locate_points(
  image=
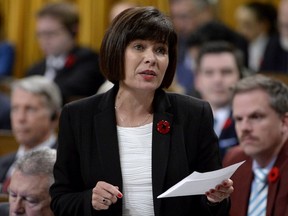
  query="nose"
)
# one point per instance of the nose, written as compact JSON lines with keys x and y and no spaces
{"x":218,"y":77}
{"x":19,"y":115}
{"x":18,"y":206}
{"x":150,"y":57}
{"x":244,"y":126}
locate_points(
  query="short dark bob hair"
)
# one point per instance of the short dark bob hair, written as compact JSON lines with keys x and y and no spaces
{"x":145,"y":23}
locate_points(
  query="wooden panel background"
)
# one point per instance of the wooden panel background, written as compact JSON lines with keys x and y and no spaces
{"x":19,"y":23}
{"x":226,"y":9}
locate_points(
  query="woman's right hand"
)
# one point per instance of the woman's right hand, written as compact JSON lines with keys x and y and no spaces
{"x":104,"y":195}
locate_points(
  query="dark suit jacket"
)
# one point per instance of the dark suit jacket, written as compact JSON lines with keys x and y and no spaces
{"x":228,"y":137}
{"x":88,"y":152}
{"x":6,"y":162}
{"x":80,"y":77}
{"x":275,"y":58}
{"x":277,"y":203}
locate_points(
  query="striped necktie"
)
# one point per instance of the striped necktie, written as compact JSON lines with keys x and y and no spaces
{"x":258,"y":196}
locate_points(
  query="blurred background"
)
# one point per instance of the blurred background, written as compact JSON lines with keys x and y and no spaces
{"x":18,"y":23}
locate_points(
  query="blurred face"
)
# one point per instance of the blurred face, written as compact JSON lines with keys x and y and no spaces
{"x":184,"y":16}
{"x":259,"y":128}
{"x":31,"y":122}
{"x":53,"y":38}
{"x":216,"y":74}
{"x":145,"y":64}
{"x":248,"y":25}
{"x":283,"y":23}
{"x":28,"y":195}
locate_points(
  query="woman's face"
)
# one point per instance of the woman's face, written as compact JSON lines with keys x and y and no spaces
{"x":145,"y":64}
{"x":248,"y":25}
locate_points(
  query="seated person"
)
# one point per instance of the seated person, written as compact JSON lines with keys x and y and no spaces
{"x":35,"y":108}
{"x":257,"y":22}
{"x":74,"y":69}
{"x":260,"y":110}
{"x":219,"y":67}
{"x":30,"y":183}
{"x":275,"y":58}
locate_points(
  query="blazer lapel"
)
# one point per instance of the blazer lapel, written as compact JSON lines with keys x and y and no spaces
{"x":160,"y":146}
{"x":246,"y":180}
{"x":160,"y":152}
{"x":280,"y":163}
{"x":107,"y":141}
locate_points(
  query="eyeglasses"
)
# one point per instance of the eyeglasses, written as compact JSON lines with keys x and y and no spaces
{"x":49,"y":33}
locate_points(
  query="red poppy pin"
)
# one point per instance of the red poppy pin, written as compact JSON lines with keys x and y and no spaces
{"x":228,"y":123}
{"x":70,"y":61}
{"x":273,"y":174}
{"x":163,"y":127}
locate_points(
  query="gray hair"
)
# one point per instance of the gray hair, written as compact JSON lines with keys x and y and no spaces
{"x":38,"y":162}
{"x":42,"y":86}
{"x":277,"y":90}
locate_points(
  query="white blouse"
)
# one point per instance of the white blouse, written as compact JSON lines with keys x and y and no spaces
{"x":135,"y":146}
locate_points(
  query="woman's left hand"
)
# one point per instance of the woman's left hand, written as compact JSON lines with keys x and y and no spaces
{"x":220,"y":192}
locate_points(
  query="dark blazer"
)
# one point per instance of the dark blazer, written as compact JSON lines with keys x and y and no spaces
{"x":4,"y":209}
{"x":275,"y":58}
{"x":277,"y":203}
{"x":88,"y":152}
{"x":228,"y":137}
{"x":6,"y":162}
{"x":80,"y":77}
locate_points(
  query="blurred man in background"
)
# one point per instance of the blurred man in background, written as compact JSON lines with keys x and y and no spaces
{"x":219,"y":67}
{"x":74,"y":69}
{"x":35,"y":109}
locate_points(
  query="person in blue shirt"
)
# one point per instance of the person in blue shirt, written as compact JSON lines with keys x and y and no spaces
{"x":7,"y":58}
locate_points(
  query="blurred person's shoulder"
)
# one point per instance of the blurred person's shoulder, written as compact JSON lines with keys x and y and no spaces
{"x":83,"y":52}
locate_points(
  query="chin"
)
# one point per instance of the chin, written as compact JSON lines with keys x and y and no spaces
{"x":250,"y":150}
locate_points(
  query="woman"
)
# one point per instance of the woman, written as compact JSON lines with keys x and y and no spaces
{"x":257,"y":22}
{"x":119,"y":150}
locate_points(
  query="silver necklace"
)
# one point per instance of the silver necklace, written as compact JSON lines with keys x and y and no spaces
{"x":129,"y":123}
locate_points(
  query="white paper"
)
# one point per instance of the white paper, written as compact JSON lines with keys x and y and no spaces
{"x":199,"y":183}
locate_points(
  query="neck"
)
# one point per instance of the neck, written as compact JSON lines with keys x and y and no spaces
{"x":265,"y":159}
{"x":131,"y":110}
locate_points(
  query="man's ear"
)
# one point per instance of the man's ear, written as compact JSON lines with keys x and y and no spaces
{"x":285,"y":122}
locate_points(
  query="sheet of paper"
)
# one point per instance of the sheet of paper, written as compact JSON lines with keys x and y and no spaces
{"x":198,"y":183}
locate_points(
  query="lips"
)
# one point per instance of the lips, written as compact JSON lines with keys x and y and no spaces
{"x":247,"y":139}
{"x":148,"y":72}
{"x":21,"y":131}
